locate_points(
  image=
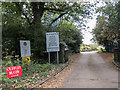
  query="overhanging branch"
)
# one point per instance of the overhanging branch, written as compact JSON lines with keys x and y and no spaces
{"x":28,"y":20}
{"x":58,"y":18}
{"x":51,"y":9}
{"x":20,"y":10}
{"x":60,"y":10}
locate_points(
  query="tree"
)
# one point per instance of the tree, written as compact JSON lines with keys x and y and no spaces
{"x":102,"y":33}
{"x":108,"y":30}
{"x":71,"y":35}
{"x":31,"y":20}
{"x":34,"y":12}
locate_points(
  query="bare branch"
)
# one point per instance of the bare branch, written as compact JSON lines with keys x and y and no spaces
{"x":58,"y":18}
{"x":23,"y":12}
{"x":61,"y":10}
{"x":28,"y":20}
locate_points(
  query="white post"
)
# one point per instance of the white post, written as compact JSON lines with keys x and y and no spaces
{"x":57,"y":58}
{"x":49,"y":57}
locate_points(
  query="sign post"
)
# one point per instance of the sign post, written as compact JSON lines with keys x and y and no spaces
{"x":49,"y":56}
{"x":57,"y":58}
{"x":52,"y":43}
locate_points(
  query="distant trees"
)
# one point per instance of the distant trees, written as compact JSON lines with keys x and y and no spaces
{"x":85,"y":47}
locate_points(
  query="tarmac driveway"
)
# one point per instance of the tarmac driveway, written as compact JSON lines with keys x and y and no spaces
{"x":91,"y":71}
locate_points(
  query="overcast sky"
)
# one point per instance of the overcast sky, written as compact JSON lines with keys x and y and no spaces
{"x":86,"y":34}
{"x":91,"y":23}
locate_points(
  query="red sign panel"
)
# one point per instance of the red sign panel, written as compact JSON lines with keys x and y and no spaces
{"x":14,"y":71}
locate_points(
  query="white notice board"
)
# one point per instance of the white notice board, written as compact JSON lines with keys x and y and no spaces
{"x":25,"y":48}
{"x":52,"y":41}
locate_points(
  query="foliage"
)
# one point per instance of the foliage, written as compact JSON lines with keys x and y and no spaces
{"x":31,"y":73}
{"x":108,"y":25}
{"x":70,"y":35}
{"x":101,"y":50}
{"x":31,"y":20}
{"x":91,"y":47}
{"x":34,"y":12}
{"x":107,"y":30}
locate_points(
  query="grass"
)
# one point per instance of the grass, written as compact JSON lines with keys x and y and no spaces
{"x":101,"y":50}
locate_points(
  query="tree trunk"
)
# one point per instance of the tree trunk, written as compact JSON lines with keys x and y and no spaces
{"x":38,"y":11}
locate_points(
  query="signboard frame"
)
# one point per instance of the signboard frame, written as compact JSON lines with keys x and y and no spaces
{"x":52,"y":41}
{"x":52,"y":44}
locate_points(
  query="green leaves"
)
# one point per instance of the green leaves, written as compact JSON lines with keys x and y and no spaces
{"x":23,"y":20}
{"x":69,"y":34}
{"x":107,"y":28}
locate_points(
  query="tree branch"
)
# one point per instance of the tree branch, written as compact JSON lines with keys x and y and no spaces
{"x":58,"y":18}
{"x":27,"y":18}
{"x":55,"y":9}
{"x":61,"y":10}
{"x":60,"y":14}
{"x":20,"y":10}
{"x":38,"y":11}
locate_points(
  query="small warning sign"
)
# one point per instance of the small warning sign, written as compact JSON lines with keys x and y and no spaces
{"x":14,"y":71}
{"x":26,"y":60}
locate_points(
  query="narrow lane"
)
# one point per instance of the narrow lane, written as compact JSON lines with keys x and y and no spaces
{"x":91,"y":71}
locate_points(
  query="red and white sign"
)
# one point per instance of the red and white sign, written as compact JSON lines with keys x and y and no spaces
{"x":14,"y":71}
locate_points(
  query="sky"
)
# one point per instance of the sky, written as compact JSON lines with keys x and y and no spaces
{"x":91,"y":23}
{"x":86,"y":34}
